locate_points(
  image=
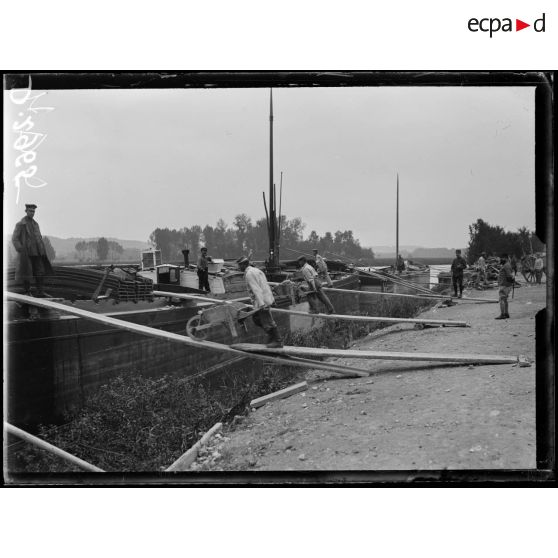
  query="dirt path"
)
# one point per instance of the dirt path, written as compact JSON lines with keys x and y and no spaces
{"x":406,"y":415}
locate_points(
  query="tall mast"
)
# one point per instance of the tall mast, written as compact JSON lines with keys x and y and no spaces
{"x":397,"y":224}
{"x":273,"y":252}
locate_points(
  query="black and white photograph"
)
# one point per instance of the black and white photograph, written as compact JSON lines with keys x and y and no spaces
{"x":270,"y":277}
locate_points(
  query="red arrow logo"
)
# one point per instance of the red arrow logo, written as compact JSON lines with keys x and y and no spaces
{"x":519,"y":25}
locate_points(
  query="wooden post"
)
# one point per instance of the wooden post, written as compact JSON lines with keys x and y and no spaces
{"x":281,"y":394}
{"x":51,"y":449}
{"x":186,"y":459}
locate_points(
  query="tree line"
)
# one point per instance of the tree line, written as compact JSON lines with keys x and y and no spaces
{"x":101,"y":250}
{"x":494,"y":241}
{"x":245,"y":236}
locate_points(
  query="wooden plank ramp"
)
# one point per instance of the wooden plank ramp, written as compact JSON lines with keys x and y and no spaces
{"x":309,"y":352}
{"x":349,"y":371}
{"x":353,"y":318}
{"x":200,"y":298}
{"x":450,"y":323}
{"x":434,"y":296}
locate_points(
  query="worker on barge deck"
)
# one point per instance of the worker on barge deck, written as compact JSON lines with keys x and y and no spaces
{"x":262,"y":300}
{"x":32,"y":256}
{"x":311,"y":277}
{"x":203,"y":270}
{"x":321,"y":265}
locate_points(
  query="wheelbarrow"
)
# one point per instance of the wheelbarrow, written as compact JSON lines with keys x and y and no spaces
{"x":229,"y":316}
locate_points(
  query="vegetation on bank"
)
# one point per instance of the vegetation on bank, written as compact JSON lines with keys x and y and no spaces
{"x":137,"y":423}
{"x":494,"y":241}
{"x":244,"y":236}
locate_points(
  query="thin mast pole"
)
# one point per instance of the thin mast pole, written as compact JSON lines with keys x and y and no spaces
{"x":272,"y":216}
{"x":397,"y":225}
{"x":280,"y":214}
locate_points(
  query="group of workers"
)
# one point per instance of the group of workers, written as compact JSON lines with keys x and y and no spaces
{"x":263,"y":299}
{"x":262,"y":295}
{"x":506,"y":277}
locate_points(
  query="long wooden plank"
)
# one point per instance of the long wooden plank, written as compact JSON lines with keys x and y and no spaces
{"x":186,"y":296}
{"x":184,"y":462}
{"x":281,"y":394}
{"x":346,"y":317}
{"x":84,"y":465}
{"x":435,"y":296}
{"x":332,"y":367}
{"x":151,"y":332}
{"x":382,"y":355}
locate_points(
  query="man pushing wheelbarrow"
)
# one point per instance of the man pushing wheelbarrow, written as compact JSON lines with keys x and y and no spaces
{"x":262,"y":300}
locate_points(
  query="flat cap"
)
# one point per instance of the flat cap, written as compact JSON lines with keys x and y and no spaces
{"x":30,"y":206}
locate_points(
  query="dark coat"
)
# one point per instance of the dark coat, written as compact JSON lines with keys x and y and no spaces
{"x":23,"y":241}
{"x":457,"y":266}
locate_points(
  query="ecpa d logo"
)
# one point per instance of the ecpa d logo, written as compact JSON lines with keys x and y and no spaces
{"x":492,"y":25}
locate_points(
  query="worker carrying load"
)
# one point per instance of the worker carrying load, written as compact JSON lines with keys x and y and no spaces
{"x":311,"y":277}
{"x":321,"y":266}
{"x":262,"y":300}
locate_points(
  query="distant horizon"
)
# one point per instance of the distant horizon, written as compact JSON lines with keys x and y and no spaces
{"x":135,"y":240}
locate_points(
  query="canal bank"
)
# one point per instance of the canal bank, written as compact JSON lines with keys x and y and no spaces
{"x":406,"y":415}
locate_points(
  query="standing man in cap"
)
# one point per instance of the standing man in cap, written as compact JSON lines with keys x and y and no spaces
{"x":262,"y":300}
{"x":32,"y":260}
{"x":457,"y":266}
{"x":322,"y":268}
{"x":311,"y":277}
{"x":505,"y":281}
{"x":203,"y":271}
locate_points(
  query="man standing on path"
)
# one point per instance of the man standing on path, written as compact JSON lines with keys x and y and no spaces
{"x":262,"y":300}
{"x":505,"y":281}
{"x":322,"y":268}
{"x":481,"y":271}
{"x":203,"y":271}
{"x":539,"y":265}
{"x":311,"y":277}
{"x":32,"y":257}
{"x":457,"y":267}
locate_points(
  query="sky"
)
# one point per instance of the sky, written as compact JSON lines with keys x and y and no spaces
{"x":120,"y":163}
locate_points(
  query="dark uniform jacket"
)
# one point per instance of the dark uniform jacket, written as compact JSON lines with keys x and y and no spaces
{"x":457,"y":266}
{"x":505,"y":277}
{"x":28,"y":242}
